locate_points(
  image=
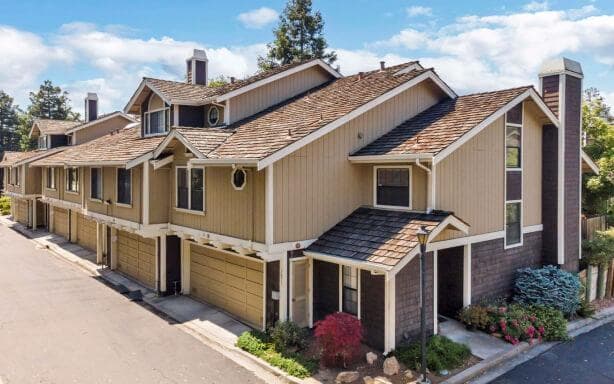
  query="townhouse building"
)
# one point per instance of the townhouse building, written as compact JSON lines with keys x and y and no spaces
{"x":298,"y":192}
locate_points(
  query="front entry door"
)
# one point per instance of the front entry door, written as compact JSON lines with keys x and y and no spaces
{"x":299,"y":292}
{"x":173,"y":265}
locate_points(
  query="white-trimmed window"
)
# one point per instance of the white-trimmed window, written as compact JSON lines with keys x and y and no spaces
{"x":50,"y":178}
{"x":213,"y":116}
{"x":190,"y":184}
{"x":513,"y":146}
{"x":72,"y":179}
{"x":124,"y":186}
{"x":15,"y":175}
{"x":513,"y":223}
{"x":349,"y":294}
{"x":43,"y":141}
{"x":96,"y":184}
{"x":238,"y":178}
{"x":392,"y":187}
{"x":156,"y":121}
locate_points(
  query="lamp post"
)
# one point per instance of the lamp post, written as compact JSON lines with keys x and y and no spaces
{"x":423,"y":236}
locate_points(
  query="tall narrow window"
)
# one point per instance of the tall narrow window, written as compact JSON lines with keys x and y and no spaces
{"x":392,"y":187}
{"x":183,"y":188}
{"x":51,"y":178}
{"x":157,"y":122}
{"x":512,"y":223}
{"x":350,"y":290}
{"x":96,"y":183}
{"x":196,"y":189}
{"x":72,"y":179}
{"x":512,"y":146}
{"x":124,"y":186}
{"x":190,"y":188}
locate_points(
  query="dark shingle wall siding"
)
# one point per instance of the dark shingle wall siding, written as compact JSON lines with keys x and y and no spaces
{"x":372,"y":307}
{"x":325,"y":289}
{"x":549,"y":193}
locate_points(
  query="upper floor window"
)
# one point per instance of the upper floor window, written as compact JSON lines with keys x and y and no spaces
{"x":213,"y":117}
{"x":96,"y":183}
{"x":513,"y":225}
{"x":190,"y":188}
{"x":14,"y":176}
{"x":392,"y":186}
{"x":50,"y":178}
{"x":124,"y":186}
{"x":157,"y":121}
{"x":72,"y":179}
{"x":513,"y":142}
{"x":43,"y":142}
{"x":350,"y":290}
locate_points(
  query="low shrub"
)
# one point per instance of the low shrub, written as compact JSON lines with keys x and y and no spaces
{"x":586,"y":309}
{"x":442,"y":353}
{"x":600,"y":250}
{"x":549,"y":287}
{"x":339,"y":336}
{"x":287,"y":334}
{"x":475,"y":316}
{"x":5,"y":205}
{"x":552,"y":321}
{"x":258,"y":344}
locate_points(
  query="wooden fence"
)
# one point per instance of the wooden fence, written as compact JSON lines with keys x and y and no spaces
{"x":590,"y":226}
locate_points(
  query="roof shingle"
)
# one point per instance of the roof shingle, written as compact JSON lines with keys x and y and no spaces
{"x":55,"y":127}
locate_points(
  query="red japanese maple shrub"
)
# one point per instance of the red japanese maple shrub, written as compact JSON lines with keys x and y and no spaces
{"x":339,"y":336}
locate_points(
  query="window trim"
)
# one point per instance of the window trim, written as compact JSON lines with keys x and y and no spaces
{"x":397,"y":207}
{"x":209,"y":115}
{"x":50,"y":171}
{"x":506,"y":170}
{"x":175,"y":185}
{"x":66,"y":189}
{"x":358,"y":290}
{"x":519,"y":243}
{"x":147,"y":118}
{"x":521,"y":144}
{"x":232,"y":178}
{"x":117,"y":188}
{"x":101,"y":186}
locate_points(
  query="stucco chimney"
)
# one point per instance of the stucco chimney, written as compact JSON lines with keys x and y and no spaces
{"x":382,"y":65}
{"x":196,"y":67}
{"x":560,"y":82}
{"x":91,"y":107}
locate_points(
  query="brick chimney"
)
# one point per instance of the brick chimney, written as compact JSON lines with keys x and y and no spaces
{"x":91,"y":107}
{"x":561,"y":87}
{"x":196,"y":67}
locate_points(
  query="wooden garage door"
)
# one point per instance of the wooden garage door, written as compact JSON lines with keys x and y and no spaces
{"x":22,"y":211}
{"x":230,"y":282}
{"x":60,"y":221}
{"x":86,"y":232}
{"x":136,"y":257}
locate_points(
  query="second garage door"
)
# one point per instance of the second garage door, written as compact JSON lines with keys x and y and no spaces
{"x":230,"y":282}
{"x":60,"y":221}
{"x":136,"y":257}
{"x":86,"y":232}
{"x":21,"y":211}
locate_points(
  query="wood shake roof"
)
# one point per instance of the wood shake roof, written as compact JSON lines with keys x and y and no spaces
{"x":376,"y":235}
{"x":439,"y":126}
{"x":205,"y":140}
{"x":55,"y":127}
{"x":118,"y":147}
{"x":263,"y":134}
{"x":11,"y":159}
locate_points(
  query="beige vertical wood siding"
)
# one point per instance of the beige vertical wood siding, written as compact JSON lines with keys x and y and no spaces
{"x":316,"y":186}
{"x":60,"y":221}
{"x":159,"y":195}
{"x":227,"y":211}
{"x":273,"y":93}
{"x":532,"y":165}
{"x":99,"y":129}
{"x":21,"y":211}
{"x":470,"y":181}
{"x":137,"y":257}
{"x":155,"y":102}
{"x":109,"y":185}
{"x":33,"y":181}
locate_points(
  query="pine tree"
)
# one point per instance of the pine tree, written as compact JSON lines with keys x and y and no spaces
{"x":50,"y":102}
{"x":9,"y":121}
{"x":298,"y":37}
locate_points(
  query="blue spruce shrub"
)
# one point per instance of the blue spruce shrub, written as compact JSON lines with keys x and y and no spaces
{"x":548,"y":286}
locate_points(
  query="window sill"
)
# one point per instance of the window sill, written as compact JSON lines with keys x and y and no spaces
{"x":184,"y":210}
{"x":516,"y":245}
{"x":123,"y":205}
{"x":95,"y":200}
{"x":51,"y":189}
{"x":72,"y":193}
{"x":392,"y":207}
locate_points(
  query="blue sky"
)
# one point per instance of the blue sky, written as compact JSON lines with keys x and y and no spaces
{"x":106,"y":47}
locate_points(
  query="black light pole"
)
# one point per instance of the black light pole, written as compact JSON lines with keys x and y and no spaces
{"x":423,"y":236}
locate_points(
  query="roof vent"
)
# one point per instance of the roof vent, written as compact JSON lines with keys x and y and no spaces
{"x":382,"y":65}
{"x":361,"y":75}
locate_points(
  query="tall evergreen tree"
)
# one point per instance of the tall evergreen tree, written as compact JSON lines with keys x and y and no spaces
{"x":49,"y":102}
{"x":297,"y":37}
{"x":9,"y":121}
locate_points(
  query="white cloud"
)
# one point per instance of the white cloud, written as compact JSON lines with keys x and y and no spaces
{"x":535,"y":6}
{"x":407,"y":38}
{"x":258,"y":18}
{"x":418,"y":10}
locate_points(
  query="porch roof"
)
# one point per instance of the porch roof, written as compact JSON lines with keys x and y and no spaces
{"x":380,"y":237}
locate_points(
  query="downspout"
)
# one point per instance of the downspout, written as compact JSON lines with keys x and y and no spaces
{"x":429,"y":189}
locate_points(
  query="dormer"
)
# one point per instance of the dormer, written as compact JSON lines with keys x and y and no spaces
{"x":51,"y":133}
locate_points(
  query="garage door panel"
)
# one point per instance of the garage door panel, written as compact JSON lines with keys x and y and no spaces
{"x":60,"y":221}
{"x":230,"y":282}
{"x":137,"y":257}
{"x":86,"y":232}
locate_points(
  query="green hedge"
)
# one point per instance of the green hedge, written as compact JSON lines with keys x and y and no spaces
{"x":5,"y":205}
{"x":258,"y":344}
{"x":442,"y":354}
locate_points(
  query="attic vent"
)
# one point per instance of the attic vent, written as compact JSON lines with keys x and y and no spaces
{"x":238,"y":178}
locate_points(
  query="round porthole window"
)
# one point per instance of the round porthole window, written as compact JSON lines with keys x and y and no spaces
{"x":214,"y":115}
{"x":239,"y":178}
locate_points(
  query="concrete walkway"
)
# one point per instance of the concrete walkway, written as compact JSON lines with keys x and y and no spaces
{"x":481,"y":344}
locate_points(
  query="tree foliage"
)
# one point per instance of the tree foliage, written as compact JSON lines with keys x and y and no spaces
{"x":219,"y":81}
{"x":9,"y":121}
{"x":49,"y":102}
{"x":298,"y":37}
{"x":598,"y":128}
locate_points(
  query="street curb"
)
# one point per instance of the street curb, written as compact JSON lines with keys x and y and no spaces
{"x":221,"y":347}
{"x":489,"y":365}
